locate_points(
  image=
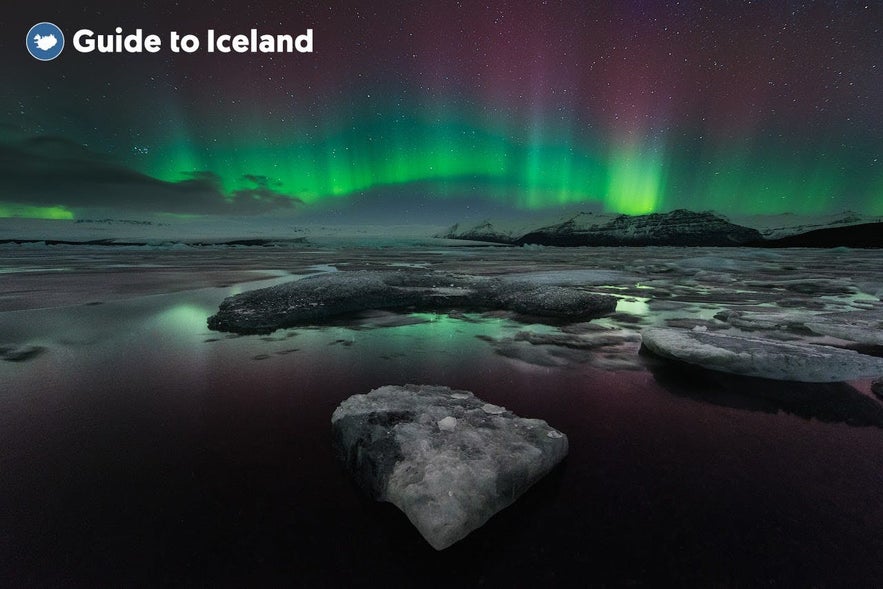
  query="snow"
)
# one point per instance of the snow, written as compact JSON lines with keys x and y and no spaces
{"x":786,"y":224}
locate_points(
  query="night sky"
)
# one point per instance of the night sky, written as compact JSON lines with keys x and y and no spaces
{"x":423,"y":110}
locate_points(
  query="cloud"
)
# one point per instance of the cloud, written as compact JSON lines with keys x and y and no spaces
{"x":263,"y":181}
{"x":53,"y":171}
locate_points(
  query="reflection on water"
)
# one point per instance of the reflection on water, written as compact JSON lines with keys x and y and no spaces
{"x":141,"y":447}
{"x":828,"y":402}
{"x":633,"y":306}
{"x":183,"y":324}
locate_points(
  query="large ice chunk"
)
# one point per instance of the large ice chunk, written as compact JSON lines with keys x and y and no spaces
{"x":755,"y":356}
{"x":447,"y":459}
{"x":325,"y":296}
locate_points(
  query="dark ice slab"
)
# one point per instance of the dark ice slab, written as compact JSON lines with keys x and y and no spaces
{"x":444,"y":457}
{"x":322,"y":297}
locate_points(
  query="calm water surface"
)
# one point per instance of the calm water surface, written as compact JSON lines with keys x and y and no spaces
{"x":140,"y":448}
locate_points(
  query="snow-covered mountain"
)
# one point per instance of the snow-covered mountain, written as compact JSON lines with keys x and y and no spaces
{"x":680,"y":227}
{"x":488,"y":231}
{"x":863,"y":235}
{"x":788,"y":224}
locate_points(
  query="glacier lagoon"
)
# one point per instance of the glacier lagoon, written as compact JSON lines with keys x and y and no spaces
{"x":139,"y":445}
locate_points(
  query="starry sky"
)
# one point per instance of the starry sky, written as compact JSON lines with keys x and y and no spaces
{"x":429,"y":111}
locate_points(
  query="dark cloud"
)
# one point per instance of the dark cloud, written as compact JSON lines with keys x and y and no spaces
{"x":53,"y":171}
{"x":261,"y":181}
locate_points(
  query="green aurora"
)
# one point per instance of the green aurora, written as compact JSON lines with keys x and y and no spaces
{"x":632,"y":173}
{"x":743,"y":108}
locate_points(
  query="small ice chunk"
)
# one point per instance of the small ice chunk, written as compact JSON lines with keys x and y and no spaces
{"x":460,"y":395}
{"x":492,"y":409}
{"x":555,"y":434}
{"x":447,"y":424}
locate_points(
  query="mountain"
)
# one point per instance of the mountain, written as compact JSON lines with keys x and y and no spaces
{"x":677,"y":228}
{"x":864,"y":235}
{"x":774,"y":227}
{"x":484,"y":231}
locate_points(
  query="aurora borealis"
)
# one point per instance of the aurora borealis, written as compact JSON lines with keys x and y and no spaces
{"x":633,"y":107}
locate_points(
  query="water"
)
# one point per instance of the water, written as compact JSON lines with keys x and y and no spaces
{"x":141,"y":448}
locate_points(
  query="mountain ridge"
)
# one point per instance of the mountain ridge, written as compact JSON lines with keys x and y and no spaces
{"x":680,"y":227}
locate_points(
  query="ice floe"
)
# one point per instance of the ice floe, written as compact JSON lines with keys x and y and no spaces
{"x":447,"y":459}
{"x":761,"y":357}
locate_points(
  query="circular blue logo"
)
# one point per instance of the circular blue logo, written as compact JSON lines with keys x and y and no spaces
{"x":45,"y":41}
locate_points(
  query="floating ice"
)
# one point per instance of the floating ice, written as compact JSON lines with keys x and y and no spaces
{"x":862,"y":327}
{"x":755,"y":356}
{"x":321,"y":297}
{"x":861,"y":333}
{"x":447,"y":481}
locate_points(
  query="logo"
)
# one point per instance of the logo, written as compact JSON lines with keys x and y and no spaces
{"x":45,"y":41}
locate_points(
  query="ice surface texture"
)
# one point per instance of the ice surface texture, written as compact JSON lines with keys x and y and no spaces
{"x":322,"y":297}
{"x":447,"y":459}
{"x":755,"y":356}
{"x":864,"y":327}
